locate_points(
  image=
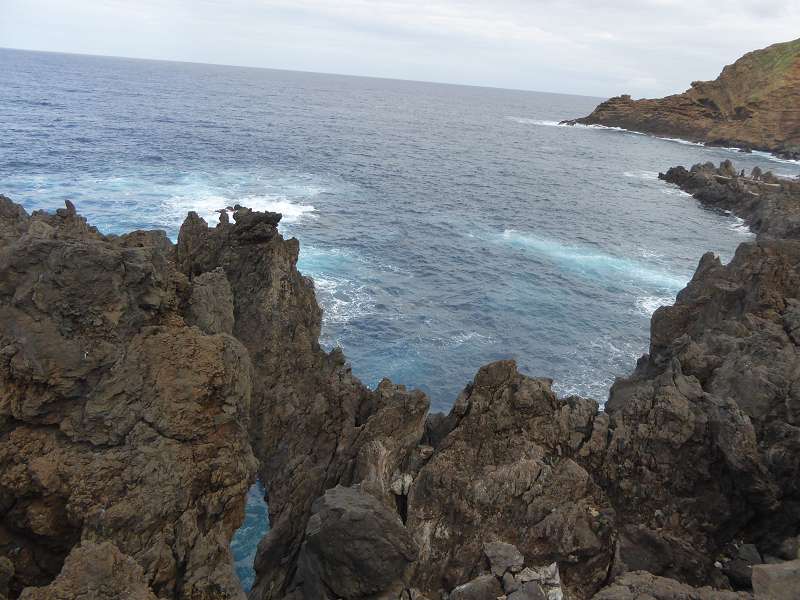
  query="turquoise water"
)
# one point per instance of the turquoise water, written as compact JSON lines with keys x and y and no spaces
{"x":445,"y":226}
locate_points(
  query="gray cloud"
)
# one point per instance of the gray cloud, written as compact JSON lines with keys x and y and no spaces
{"x":644,"y":47}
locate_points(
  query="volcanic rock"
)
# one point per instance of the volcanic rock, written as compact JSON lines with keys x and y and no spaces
{"x":118,"y":422}
{"x":96,"y":572}
{"x":484,"y":587}
{"x":769,"y":205}
{"x":501,"y":474}
{"x":354,"y":547}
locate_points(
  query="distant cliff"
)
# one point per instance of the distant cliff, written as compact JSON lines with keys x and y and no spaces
{"x":753,"y":104}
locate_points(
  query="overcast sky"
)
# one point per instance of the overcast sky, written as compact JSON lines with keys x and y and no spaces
{"x":601,"y":48}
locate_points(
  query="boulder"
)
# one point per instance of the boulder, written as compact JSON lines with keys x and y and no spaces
{"x":777,"y":582}
{"x":503,"y":557}
{"x":640,"y":585}
{"x":354,"y":547}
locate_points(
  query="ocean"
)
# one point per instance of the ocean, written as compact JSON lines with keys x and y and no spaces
{"x":444,"y":226}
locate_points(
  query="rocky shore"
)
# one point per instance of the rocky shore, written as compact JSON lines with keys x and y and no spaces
{"x":754,"y":104}
{"x":145,"y":385}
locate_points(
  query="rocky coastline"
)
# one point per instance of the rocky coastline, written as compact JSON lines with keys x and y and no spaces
{"x":753,"y":105}
{"x":144,"y":386}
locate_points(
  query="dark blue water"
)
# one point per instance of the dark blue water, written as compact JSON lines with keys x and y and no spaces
{"x":445,"y":226}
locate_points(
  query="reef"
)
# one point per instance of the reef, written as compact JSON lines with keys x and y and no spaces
{"x":754,"y":104}
{"x":144,"y":386}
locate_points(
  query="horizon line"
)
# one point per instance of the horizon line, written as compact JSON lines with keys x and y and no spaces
{"x":285,"y":70}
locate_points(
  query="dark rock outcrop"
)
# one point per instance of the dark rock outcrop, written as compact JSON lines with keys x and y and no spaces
{"x":500,"y":477}
{"x":705,"y":439}
{"x":354,"y":547}
{"x":314,"y":425}
{"x":753,"y":104}
{"x":768,"y":204}
{"x":119,"y":423}
{"x":142,"y":384}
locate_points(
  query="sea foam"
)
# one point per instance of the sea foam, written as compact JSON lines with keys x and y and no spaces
{"x":591,"y":261}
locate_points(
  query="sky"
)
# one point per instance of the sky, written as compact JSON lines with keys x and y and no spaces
{"x":647,"y":48}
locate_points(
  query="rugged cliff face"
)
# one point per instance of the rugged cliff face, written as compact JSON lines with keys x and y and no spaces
{"x":143,"y":385}
{"x":121,"y":423}
{"x":754,"y":103}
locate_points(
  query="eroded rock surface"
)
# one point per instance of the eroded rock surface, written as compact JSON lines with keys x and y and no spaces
{"x":139,"y":382}
{"x":96,"y":572}
{"x":500,"y":477}
{"x":118,"y":422}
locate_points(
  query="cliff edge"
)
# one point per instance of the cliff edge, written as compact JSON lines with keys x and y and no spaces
{"x":753,"y":104}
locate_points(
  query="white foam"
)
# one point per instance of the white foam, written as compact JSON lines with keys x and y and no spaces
{"x":207,"y":205}
{"x":739,"y":226}
{"x":647,"y":305}
{"x":680,"y":141}
{"x":647,"y":175}
{"x":590,"y":260}
{"x":773,"y":158}
{"x":341,"y":299}
{"x":524,"y":121}
{"x":674,"y":191}
{"x":547,"y":123}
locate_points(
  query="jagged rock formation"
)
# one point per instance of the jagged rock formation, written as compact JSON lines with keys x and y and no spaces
{"x":753,"y":104}
{"x":140,"y":381}
{"x":500,"y":474}
{"x":119,"y":422}
{"x":314,"y":425}
{"x":705,"y":445}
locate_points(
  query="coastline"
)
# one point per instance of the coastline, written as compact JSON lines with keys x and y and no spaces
{"x":685,"y":480}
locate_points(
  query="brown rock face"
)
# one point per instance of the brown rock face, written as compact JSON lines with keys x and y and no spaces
{"x":705,"y":438}
{"x":754,"y":103}
{"x":138,"y":380}
{"x":501,"y":474}
{"x":96,"y":571}
{"x":639,"y":585}
{"x":118,"y":422}
{"x":314,"y":425}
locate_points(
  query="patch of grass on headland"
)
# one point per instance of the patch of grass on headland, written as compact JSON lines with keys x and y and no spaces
{"x":778,"y":57}
{"x":770,"y":65}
